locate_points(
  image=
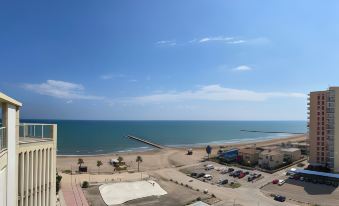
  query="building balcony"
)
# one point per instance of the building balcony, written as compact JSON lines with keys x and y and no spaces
{"x":330,"y":110}
{"x":35,"y":133}
{"x":3,"y":139}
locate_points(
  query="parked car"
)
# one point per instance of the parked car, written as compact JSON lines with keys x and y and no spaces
{"x":224,"y":171}
{"x":279,"y":198}
{"x":230,"y":169}
{"x":231,"y":174}
{"x":209,"y":167}
{"x":275,"y":181}
{"x":200,"y":175}
{"x":223,"y":182}
{"x":250,"y":178}
{"x":247,"y":173}
{"x":281,"y":182}
{"x":208,"y":177}
{"x":257,"y":175}
{"x":194,"y":174}
{"x":241,"y":175}
{"x":302,"y":178}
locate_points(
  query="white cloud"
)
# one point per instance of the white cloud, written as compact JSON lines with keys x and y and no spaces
{"x":242,"y":68}
{"x":214,"y":93}
{"x":166,"y":43}
{"x":60,"y":89}
{"x":224,"y":39}
{"x":69,"y":101}
{"x":111,"y":76}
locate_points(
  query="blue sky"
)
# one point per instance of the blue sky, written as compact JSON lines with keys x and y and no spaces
{"x":214,"y":60}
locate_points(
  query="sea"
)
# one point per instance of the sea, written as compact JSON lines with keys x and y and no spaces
{"x":91,"y":137}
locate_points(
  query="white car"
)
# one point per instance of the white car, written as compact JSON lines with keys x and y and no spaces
{"x":209,"y":167}
{"x":208,"y":177}
{"x":281,"y":182}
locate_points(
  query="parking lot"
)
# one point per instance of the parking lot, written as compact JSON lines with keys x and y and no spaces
{"x":225,"y":176}
{"x":305,"y":192}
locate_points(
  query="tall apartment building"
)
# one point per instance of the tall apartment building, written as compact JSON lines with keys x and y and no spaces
{"x":324,"y":128}
{"x":27,"y":159}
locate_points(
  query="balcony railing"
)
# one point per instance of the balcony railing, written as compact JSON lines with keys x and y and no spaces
{"x":3,"y":139}
{"x":33,"y":130}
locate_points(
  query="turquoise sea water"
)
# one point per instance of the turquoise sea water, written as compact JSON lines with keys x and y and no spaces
{"x":84,"y":137}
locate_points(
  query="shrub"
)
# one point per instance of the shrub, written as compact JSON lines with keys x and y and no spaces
{"x":198,"y":198}
{"x":67,"y":171}
{"x":171,"y":180}
{"x":85,"y":184}
{"x":58,"y":181}
{"x":213,"y":195}
{"x":182,"y":184}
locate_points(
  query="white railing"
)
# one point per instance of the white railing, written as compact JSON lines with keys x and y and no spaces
{"x":35,"y":130}
{"x":3,"y":139}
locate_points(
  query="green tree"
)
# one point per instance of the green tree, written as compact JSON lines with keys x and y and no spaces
{"x":99,"y":163}
{"x":80,"y":162}
{"x":139,"y":160}
{"x":120,"y":159}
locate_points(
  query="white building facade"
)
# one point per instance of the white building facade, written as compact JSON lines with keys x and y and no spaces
{"x":27,"y":159}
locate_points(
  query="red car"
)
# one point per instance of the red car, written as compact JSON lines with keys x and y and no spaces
{"x":275,"y":181}
{"x":241,"y":175}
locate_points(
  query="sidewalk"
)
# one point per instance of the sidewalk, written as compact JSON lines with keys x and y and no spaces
{"x":72,"y":193}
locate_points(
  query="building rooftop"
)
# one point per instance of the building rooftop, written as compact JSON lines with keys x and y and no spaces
{"x":310,"y":172}
{"x":270,"y":152}
{"x":300,"y":144}
{"x":7,"y":99}
{"x":249,"y":150}
{"x":290,"y":149}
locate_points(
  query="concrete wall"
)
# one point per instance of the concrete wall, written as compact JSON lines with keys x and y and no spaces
{"x":36,"y":174}
{"x":11,"y":128}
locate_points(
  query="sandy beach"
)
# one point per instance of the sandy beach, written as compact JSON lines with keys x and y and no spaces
{"x":158,"y":158}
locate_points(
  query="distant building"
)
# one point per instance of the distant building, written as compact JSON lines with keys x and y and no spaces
{"x":228,"y":155}
{"x":324,"y":129}
{"x":27,"y":159}
{"x":303,"y":146}
{"x":270,"y":159}
{"x":291,"y":154}
{"x":249,"y":156}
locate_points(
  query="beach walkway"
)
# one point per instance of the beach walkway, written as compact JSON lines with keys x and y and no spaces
{"x":72,"y":192}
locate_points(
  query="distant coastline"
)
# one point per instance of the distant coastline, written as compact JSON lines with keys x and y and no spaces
{"x":195,"y":146}
{"x":104,"y":137}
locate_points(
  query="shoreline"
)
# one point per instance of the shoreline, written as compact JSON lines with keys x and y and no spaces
{"x":239,"y":143}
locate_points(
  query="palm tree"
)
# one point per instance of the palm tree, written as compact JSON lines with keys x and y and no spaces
{"x":99,"y":163}
{"x":80,"y":162}
{"x":138,"y":160}
{"x":120,"y":159}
